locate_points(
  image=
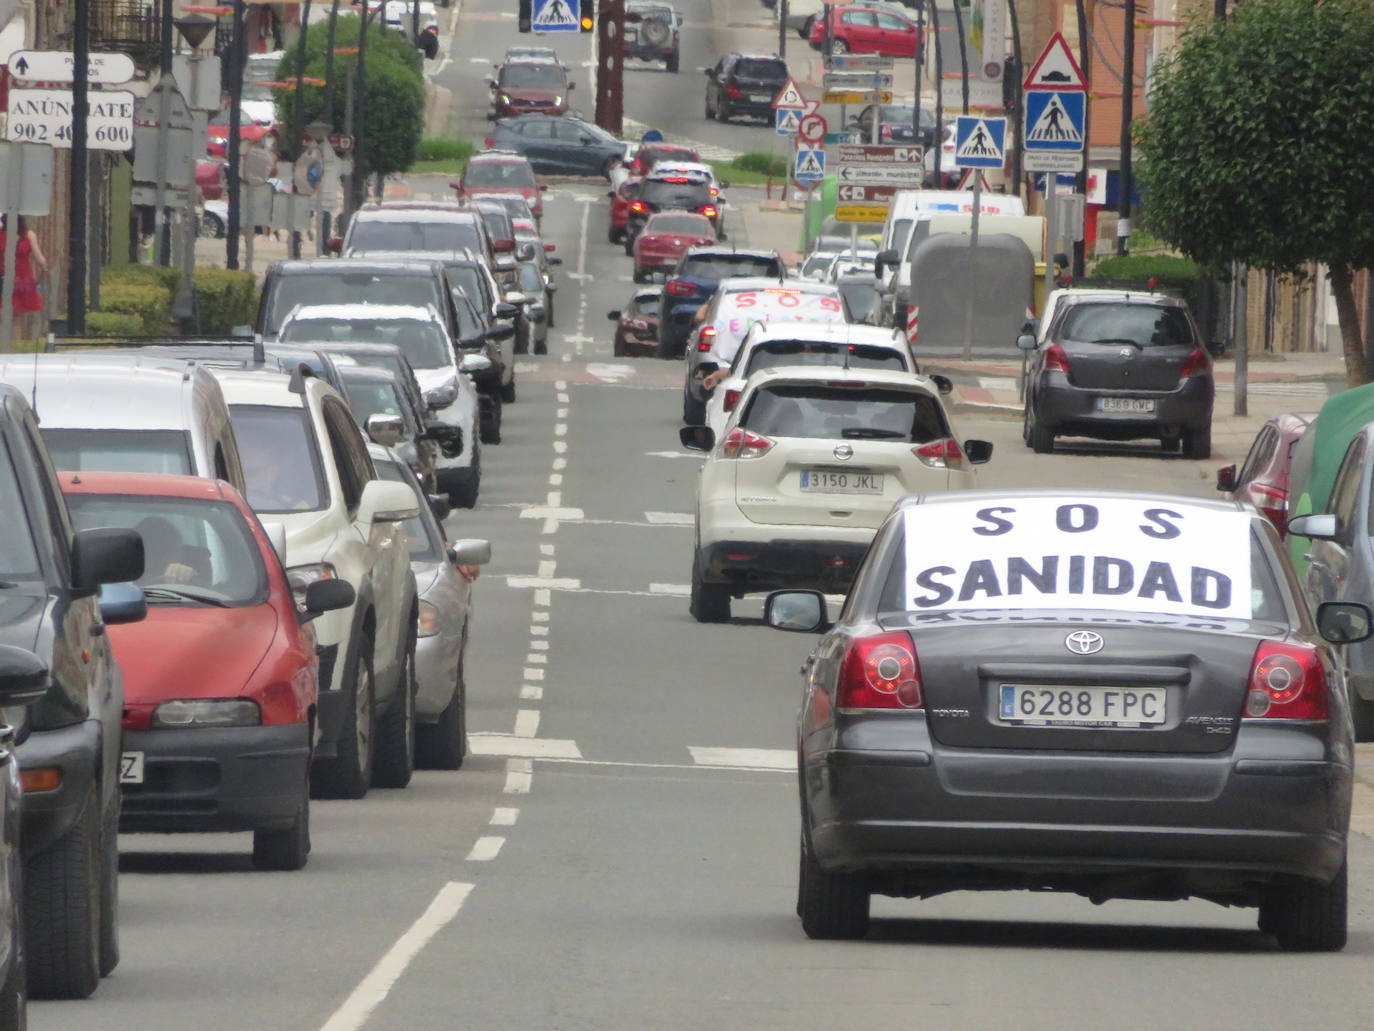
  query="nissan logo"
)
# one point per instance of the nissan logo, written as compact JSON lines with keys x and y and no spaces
{"x":1083,"y":642}
{"x":843,"y":452}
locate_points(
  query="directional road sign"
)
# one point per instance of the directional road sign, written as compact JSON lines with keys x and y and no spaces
{"x":861,"y":63}
{"x":1055,"y":68}
{"x":848,"y":96}
{"x":862,"y":203}
{"x":790,"y":97}
{"x":812,"y":129}
{"x":45,"y":116}
{"x":895,"y":175}
{"x":58,"y":66}
{"x":878,"y":154}
{"x":809,"y":168}
{"x":870,"y":193}
{"x":787,"y":121}
{"x":857,"y":81}
{"x":556,"y":16}
{"x":979,"y":142}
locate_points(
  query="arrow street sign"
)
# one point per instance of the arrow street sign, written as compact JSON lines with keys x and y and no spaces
{"x":848,"y":96}
{"x":556,"y":16}
{"x":857,"y":81}
{"x":861,"y":63}
{"x":812,"y":129}
{"x":979,"y":142}
{"x":787,"y":121}
{"x":1055,"y":68}
{"x":58,"y":66}
{"x":45,"y":116}
{"x":877,"y":153}
{"x":809,"y":168}
{"x":895,"y":175}
{"x":790,"y":97}
{"x":859,"y":194}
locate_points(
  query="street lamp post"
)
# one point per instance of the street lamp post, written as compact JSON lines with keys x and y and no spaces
{"x":231,"y":150}
{"x":193,"y":29}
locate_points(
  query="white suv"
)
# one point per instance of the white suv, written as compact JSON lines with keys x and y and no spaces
{"x":308,"y":469}
{"x":810,"y":463}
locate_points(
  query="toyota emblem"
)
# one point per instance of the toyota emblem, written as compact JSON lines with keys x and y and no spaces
{"x":843,"y":452}
{"x":1127,"y":352}
{"x":1083,"y":642}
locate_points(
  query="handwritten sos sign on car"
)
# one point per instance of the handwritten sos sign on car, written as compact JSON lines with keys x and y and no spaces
{"x":1107,"y":553}
{"x":775,"y":304}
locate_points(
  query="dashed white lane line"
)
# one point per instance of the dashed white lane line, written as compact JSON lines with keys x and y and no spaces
{"x":522,"y":750}
{"x":531,"y":693}
{"x":539,"y":617}
{"x":562,"y":583}
{"x":671,"y":518}
{"x":530,"y":673}
{"x":546,"y":550}
{"x":375,"y":987}
{"x":503,"y":816}
{"x":519,"y":772}
{"x":748,"y":758}
{"x":547,"y":567}
{"x":676,"y":590}
{"x":560,"y":463}
{"x":539,"y":646}
{"x":537,"y":658}
{"x":486,"y":848}
{"x":539,"y":631}
{"x":562,"y":397}
{"x":527,"y":723}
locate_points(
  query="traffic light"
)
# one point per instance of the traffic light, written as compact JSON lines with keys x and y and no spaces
{"x":524,"y":15}
{"x":588,"y":22}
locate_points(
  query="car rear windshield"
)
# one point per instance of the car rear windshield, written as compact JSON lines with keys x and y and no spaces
{"x":281,"y":458}
{"x":688,"y":225}
{"x":377,"y":235}
{"x":195,"y":552}
{"x":425,"y":546}
{"x":900,"y":114}
{"x":862,"y":302}
{"x":120,"y":451}
{"x":762,"y":69}
{"x":772,"y":353}
{"x":845,"y":413}
{"x":18,"y":558}
{"x":422,"y":342}
{"x":417,"y":287}
{"x":1141,"y":325}
{"x":541,"y":75}
{"x":498,"y":224}
{"x":728,"y":266}
{"x":684,"y":195}
{"x":651,"y":304}
{"x":493,"y":174}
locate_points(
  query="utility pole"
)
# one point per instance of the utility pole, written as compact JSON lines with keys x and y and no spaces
{"x":920,"y":56}
{"x":610,"y":65}
{"x":162,"y":220}
{"x":231,"y":148}
{"x":963,"y":53}
{"x":782,"y":30}
{"x":76,"y":227}
{"x":1080,"y":247}
{"x":297,"y":129}
{"x":1124,"y":185}
{"x":1013,"y":89}
{"x":939,"y":92}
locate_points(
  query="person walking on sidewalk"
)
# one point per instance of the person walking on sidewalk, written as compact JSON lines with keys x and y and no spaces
{"x":27,"y":255}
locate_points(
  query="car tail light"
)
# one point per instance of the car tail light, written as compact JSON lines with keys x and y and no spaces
{"x":731,"y":90}
{"x":1199,"y":363}
{"x":638,"y":324}
{"x":710,"y":211}
{"x":1055,"y":359}
{"x":489,"y":142}
{"x":678,"y":288}
{"x":741,"y":443}
{"x":502,"y":246}
{"x":941,"y":454}
{"x":880,"y":672}
{"x":1273,"y":502}
{"x":638,"y":205}
{"x":885,"y":132}
{"x":731,"y":399}
{"x":1287,"y":681}
{"x":706,"y":338}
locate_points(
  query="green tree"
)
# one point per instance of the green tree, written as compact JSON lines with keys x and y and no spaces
{"x":1259,"y":143}
{"x":394,"y":104}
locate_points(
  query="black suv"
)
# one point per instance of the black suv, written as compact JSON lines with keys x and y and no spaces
{"x":651,"y":33}
{"x":671,"y":193}
{"x":69,"y":740}
{"x":744,"y":86}
{"x":692,"y":283}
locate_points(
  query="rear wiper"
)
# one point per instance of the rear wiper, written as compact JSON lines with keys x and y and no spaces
{"x":871,"y":433}
{"x":165,"y":593}
{"x":1120,"y":340}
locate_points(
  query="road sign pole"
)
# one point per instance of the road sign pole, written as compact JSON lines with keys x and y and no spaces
{"x":972,"y":258}
{"x":939,"y":94}
{"x":1051,"y":229}
{"x":782,"y":29}
{"x":13,"y":189}
{"x":76,"y":226}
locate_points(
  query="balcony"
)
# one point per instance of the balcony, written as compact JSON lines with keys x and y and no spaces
{"x":127,"y":26}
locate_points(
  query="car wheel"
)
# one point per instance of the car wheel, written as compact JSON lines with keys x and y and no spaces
{"x":618,"y":346}
{"x":287,"y":848}
{"x":210,"y":225}
{"x":1307,"y":915}
{"x":722,"y":113}
{"x":709,"y":603}
{"x":523,"y":332}
{"x":14,"y":994}
{"x":1041,"y":437}
{"x":629,"y":246}
{"x":664,"y":348}
{"x":396,"y":730}
{"x":508,"y":392}
{"x":1170,"y":445}
{"x":62,"y":911}
{"x":109,"y":892}
{"x":1197,"y":443}
{"x":833,"y":906}
{"x":839,"y":47}
{"x":612,"y":234}
{"x":638,"y":276}
{"x":672,"y":62}
{"x":349,"y":773}
{"x":541,"y":346}
{"x":464,"y":495}
{"x":444,"y":745}
{"x":491,"y":422}
{"x":707,"y":105}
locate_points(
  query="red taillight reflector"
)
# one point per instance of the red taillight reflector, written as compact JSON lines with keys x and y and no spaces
{"x":941,"y":454}
{"x":489,"y":142}
{"x":880,"y":672}
{"x":885,"y":132}
{"x":731,"y":90}
{"x":1199,"y":363}
{"x":678,"y":288}
{"x":706,"y":338}
{"x":739,"y":556}
{"x":1055,"y":359}
{"x":709,"y":211}
{"x":741,"y":443}
{"x":731,"y":399}
{"x":1287,"y":681}
{"x":637,"y":205}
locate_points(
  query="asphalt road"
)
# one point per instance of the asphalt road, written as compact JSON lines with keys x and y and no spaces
{"x":621,"y":851}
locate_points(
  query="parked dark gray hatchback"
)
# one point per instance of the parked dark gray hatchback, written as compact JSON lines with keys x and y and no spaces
{"x":1115,"y":694}
{"x":1119,"y":366}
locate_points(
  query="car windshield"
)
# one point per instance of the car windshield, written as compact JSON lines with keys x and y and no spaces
{"x":419,"y":288}
{"x":764,"y":69}
{"x":18,"y":558}
{"x":540,"y":75}
{"x":498,"y":174}
{"x":649,"y":304}
{"x":367,"y":397}
{"x":281,"y":458}
{"x":728,"y":266}
{"x":425,"y":545}
{"x":900,"y":114}
{"x":421,"y":341}
{"x":196,"y":552}
{"x":120,"y":451}
{"x":467,"y":278}
{"x":377,"y":235}
{"x":862,"y":300}
{"x":688,"y":225}
{"x":839,"y":413}
{"x":817,"y":264}
{"x":1140,"y":325}
{"x":772,"y":353}
{"x":498,"y":224}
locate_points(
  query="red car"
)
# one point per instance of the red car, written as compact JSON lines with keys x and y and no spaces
{"x":221,"y":679}
{"x":649,"y":154}
{"x":664,"y":239}
{"x":210,"y":178}
{"x":621,"y":199}
{"x":529,"y":87}
{"x":501,"y":172}
{"x":862,"y":30}
{"x":636,"y":329}
{"x":1263,"y":476}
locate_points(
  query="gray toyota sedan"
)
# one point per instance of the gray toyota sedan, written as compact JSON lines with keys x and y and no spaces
{"x":1121,"y":695}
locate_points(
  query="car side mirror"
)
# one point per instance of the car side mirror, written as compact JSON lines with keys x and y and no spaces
{"x":1343,"y":622}
{"x":499,"y":333}
{"x":105,"y":555}
{"x":441,"y":397}
{"x":333,"y":594}
{"x":24,"y":677}
{"x":1216,"y":348}
{"x":883,"y":259}
{"x":979,"y":452}
{"x":439,"y":506}
{"x":1026,"y":341}
{"x":614,"y":316}
{"x":1319,"y":526}
{"x":474,"y":363}
{"x":122,"y":603}
{"x":507,"y":309}
{"x":385,"y":501}
{"x":943,"y":384}
{"x":1226,"y":478}
{"x":386,"y":430}
{"x":697,"y":438}
{"x":515,"y":297}
{"x":799,"y":611}
{"x":471,"y":552}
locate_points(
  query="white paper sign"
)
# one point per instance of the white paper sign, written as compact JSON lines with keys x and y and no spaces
{"x":774,"y":304}
{"x":1099,"y":553}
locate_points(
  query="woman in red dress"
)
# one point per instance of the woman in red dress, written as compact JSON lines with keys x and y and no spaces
{"x":27,"y":255}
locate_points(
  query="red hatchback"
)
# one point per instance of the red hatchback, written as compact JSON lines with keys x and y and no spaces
{"x":501,"y":172}
{"x":1263,"y":476}
{"x":665,"y":238}
{"x":862,"y":30}
{"x":621,"y":199}
{"x":221,"y":679}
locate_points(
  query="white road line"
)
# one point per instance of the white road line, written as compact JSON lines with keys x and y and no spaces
{"x":562,"y":397}
{"x":547,"y":568}
{"x":540,"y":617}
{"x":561,"y":413}
{"x":551,"y":512}
{"x":560,"y":463}
{"x":560,"y":446}
{"x":562,"y":583}
{"x":677,"y":590}
{"x":555,"y":479}
{"x":531,"y":693}
{"x":546,"y":549}
{"x":540,"y":646}
{"x":539,"y":631}
{"x":542,"y":597}
{"x":561,"y":384}
{"x":537,"y":658}
{"x":519,"y":772}
{"x":503,"y":816}
{"x":530,"y":673}
{"x":554,"y":499}
{"x":560,"y":429}
{"x":486,"y":848}
{"x":522,"y":749}
{"x":375,"y":987}
{"x":672,"y":518}
{"x":527,"y":723}
{"x":749,"y":758}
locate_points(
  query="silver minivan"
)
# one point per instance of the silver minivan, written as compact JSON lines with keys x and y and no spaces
{"x":128,"y":413}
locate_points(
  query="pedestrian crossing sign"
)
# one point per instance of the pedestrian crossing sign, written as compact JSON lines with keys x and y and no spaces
{"x":979,"y":142}
{"x":556,"y":16}
{"x":810,"y":165}
{"x":788,"y":121}
{"x":1055,"y":120}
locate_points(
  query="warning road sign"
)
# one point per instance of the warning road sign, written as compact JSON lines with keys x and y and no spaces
{"x":979,"y":142}
{"x":556,"y":16}
{"x":1056,"y":69}
{"x":1054,"y":120}
{"x":790,"y":98}
{"x":810,"y":165}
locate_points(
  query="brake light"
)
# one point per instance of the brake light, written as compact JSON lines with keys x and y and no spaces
{"x":637,"y":205}
{"x":706,"y":338}
{"x":880,"y":672}
{"x":709,"y":211}
{"x":638,"y":324}
{"x":885,"y":132}
{"x":1199,"y":363}
{"x":502,"y":246}
{"x":731,"y":90}
{"x":941,"y":454}
{"x":741,"y":443}
{"x":678,"y":288}
{"x":731,"y":399}
{"x":1287,"y":681}
{"x":1055,"y":359}
{"x":489,"y":142}
{"x":1276,"y":508}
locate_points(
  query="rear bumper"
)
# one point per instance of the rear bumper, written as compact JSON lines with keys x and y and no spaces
{"x":1074,"y":409}
{"x":234,"y":779}
{"x":774,"y":563}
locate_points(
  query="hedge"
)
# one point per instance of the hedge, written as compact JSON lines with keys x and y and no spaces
{"x":150,"y":303}
{"x":434,"y":148}
{"x":113,"y":324}
{"x":1178,"y":277}
{"x":762,"y":164}
{"x":225,"y":298}
{"x":168,"y":279}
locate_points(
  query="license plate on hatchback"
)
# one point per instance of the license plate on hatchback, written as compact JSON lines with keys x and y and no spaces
{"x":1134,"y":405}
{"x":841,"y":481}
{"x":761,"y":98}
{"x":1051,"y":705}
{"x":131,"y":768}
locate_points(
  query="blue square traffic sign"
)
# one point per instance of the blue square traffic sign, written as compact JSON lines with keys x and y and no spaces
{"x":980,"y":142}
{"x":556,"y":16}
{"x":810,"y":165}
{"x":1055,"y":120}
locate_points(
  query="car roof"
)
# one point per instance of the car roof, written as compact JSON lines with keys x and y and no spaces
{"x":371,"y":373}
{"x":373,"y":312}
{"x":286,"y":266}
{"x":855,"y":378}
{"x":1077,"y":494}
{"x":493,"y":157}
{"x":1075,"y":297}
{"x":415,"y":205}
{"x":648,"y":295}
{"x":150,"y":484}
{"x":95,"y":390}
{"x":753,"y":55}
{"x":415,"y":213}
{"x":739,"y":284}
{"x":729,"y":251}
{"x":828,"y":332}
{"x":270,"y":389}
